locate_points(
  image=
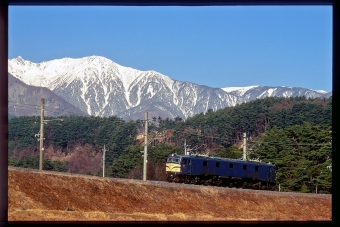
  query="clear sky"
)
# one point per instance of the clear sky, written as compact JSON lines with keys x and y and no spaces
{"x":216,"y":46}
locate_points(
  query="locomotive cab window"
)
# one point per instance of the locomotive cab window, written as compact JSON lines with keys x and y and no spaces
{"x":173,"y":160}
{"x":184,"y":161}
{"x":217,"y":164}
{"x":244,"y":167}
{"x":256,"y":168}
{"x":205,"y":163}
{"x":231,"y":166}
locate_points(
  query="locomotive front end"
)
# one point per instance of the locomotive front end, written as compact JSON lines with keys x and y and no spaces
{"x":173,"y":168}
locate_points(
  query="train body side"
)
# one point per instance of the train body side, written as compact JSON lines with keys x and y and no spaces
{"x":191,"y":167}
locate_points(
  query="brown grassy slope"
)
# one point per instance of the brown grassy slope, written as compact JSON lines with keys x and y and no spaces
{"x":34,"y":195}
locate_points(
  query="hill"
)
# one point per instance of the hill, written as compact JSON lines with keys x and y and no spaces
{"x":25,"y":100}
{"x":51,"y":196}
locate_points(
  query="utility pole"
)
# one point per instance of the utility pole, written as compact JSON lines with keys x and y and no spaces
{"x":41,"y":139}
{"x":316,"y":183}
{"x":104,"y":160}
{"x":316,"y":188}
{"x":145,"y":146}
{"x":41,"y":134}
{"x":185,"y":146}
{"x":244,"y":146}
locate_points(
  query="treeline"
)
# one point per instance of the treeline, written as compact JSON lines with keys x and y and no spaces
{"x":226,"y":126}
{"x":271,"y":122}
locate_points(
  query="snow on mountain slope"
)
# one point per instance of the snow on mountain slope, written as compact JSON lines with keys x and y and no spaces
{"x":254,"y":92}
{"x":239,"y":90}
{"x":101,"y":87}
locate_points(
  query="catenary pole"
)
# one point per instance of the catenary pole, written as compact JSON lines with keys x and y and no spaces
{"x":244,"y":146}
{"x":145,"y":146}
{"x":41,"y":134}
{"x":104,"y":161}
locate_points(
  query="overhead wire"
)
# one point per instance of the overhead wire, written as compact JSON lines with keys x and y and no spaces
{"x":273,"y":142}
{"x":213,"y":137}
{"x":47,"y":108}
{"x":23,"y":104}
{"x":296,"y":144}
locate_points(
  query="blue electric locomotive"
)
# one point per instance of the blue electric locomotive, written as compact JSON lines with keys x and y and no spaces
{"x":220,"y":171}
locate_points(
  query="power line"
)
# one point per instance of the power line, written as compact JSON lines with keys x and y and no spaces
{"x":273,"y":142}
{"x":298,"y":175}
{"x":213,"y":137}
{"x":292,"y":144}
{"x":24,"y":104}
{"x":48,"y":109}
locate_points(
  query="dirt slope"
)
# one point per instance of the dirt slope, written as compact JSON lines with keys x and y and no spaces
{"x":36,"y":196}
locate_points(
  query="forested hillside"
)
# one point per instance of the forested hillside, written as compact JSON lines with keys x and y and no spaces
{"x":293,"y":133}
{"x":225,"y":127}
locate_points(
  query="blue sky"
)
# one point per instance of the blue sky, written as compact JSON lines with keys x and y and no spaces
{"x":216,"y":46}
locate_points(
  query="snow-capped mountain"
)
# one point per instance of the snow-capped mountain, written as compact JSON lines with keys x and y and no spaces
{"x":101,"y":87}
{"x":255,"y":92}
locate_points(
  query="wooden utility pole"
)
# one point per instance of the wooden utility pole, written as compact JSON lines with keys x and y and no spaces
{"x":41,"y":134}
{"x":244,"y":147}
{"x":145,"y":146}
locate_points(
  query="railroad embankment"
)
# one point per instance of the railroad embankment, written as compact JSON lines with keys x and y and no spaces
{"x":49,"y":196}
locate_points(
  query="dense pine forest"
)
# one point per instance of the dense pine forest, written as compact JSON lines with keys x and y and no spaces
{"x":293,"y":133}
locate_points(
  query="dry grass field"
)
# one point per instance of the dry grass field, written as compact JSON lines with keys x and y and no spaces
{"x":49,"y":196}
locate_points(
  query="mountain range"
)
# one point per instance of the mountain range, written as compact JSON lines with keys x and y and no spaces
{"x":97,"y":86}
